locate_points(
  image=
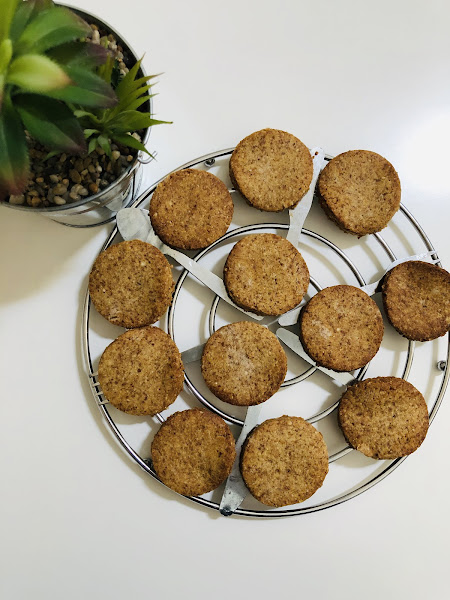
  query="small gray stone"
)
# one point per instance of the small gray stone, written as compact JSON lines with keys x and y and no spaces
{"x":17,"y":199}
{"x":54,"y":178}
{"x":75,"y":176}
{"x":60,"y":189}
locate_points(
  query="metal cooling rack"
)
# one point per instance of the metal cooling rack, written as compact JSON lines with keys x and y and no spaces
{"x":208,"y":161}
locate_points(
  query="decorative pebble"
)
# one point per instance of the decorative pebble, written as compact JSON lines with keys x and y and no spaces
{"x":58,"y":200}
{"x":75,"y":176}
{"x":60,"y":189}
{"x":17,"y":199}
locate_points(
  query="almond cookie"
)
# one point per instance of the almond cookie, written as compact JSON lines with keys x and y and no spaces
{"x":141,"y":372}
{"x":416,"y":298}
{"x":341,"y":328}
{"x":272,"y":169}
{"x":360,"y":191}
{"x":284,"y":461}
{"x":383,"y":417}
{"x":266,"y":274}
{"x":243,"y":363}
{"x":193,"y":452}
{"x":191,"y":209}
{"x":131,"y":284}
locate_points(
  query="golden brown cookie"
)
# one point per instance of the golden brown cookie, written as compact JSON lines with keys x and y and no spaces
{"x":243,"y":363}
{"x":416,"y":298}
{"x":383,"y":417}
{"x":131,"y":284}
{"x":284,"y":461}
{"x":191,"y":209}
{"x":193,"y":452}
{"x":266,"y":274}
{"x":341,"y":328}
{"x":360,"y":191}
{"x":141,"y":372}
{"x":272,"y":169}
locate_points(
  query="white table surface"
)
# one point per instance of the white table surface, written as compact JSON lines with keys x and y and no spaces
{"x":77,"y":518}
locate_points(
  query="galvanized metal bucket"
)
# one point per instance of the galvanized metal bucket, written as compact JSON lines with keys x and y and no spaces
{"x":100,"y":208}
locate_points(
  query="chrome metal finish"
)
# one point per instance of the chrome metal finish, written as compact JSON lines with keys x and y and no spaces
{"x":146,"y":464}
{"x":235,"y":488}
{"x":292,"y":341}
{"x":371,"y":288}
{"x":297,"y":215}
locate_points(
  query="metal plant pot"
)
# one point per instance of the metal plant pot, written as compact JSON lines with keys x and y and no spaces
{"x":101,"y":208}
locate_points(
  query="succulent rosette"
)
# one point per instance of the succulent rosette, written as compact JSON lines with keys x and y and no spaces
{"x":60,"y":89}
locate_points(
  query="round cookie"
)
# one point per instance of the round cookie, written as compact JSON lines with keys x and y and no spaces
{"x":360,"y":191}
{"x":416,"y":298}
{"x":243,"y":363}
{"x":266,"y":274}
{"x":131,"y":284}
{"x":383,"y":417}
{"x":341,"y":328}
{"x":191,"y":209}
{"x":272,"y":169}
{"x":141,"y":372}
{"x":193,"y":452}
{"x":284,"y":461}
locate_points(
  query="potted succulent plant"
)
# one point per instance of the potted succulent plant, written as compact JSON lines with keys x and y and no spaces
{"x":75,"y":113}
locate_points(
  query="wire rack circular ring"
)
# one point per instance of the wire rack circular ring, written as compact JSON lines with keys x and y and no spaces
{"x":208,"y":161}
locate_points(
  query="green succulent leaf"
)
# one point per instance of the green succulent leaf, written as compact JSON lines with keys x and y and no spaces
{"x":14,"y":165}
{"x":7,"y":11}
{"x":51,"y":123}
{"x":79,"y":54}
{"x":89,"y":132}
{"x":132,"y":86}
{"x":104,"y":144}
{"x":125,"y":84}
{"x":50,"y":28}
{"x":132,"y":120}
{"x":84,"y":113}
{"x":105,"y":71}
{"x":88,"y":90}
{"x":131,"y":142}
{"x":51,"y":154}
{"x":37,"y":73}
{"x":2,"y":89}
{"x":138,"y":102}
{"x":92,"y":145}
{"x":6,"y":50}
{"x":21,"y":19}
{"x":125,"y":103}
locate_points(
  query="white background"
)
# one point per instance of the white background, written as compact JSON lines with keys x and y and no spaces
{"x":77,"y":518}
